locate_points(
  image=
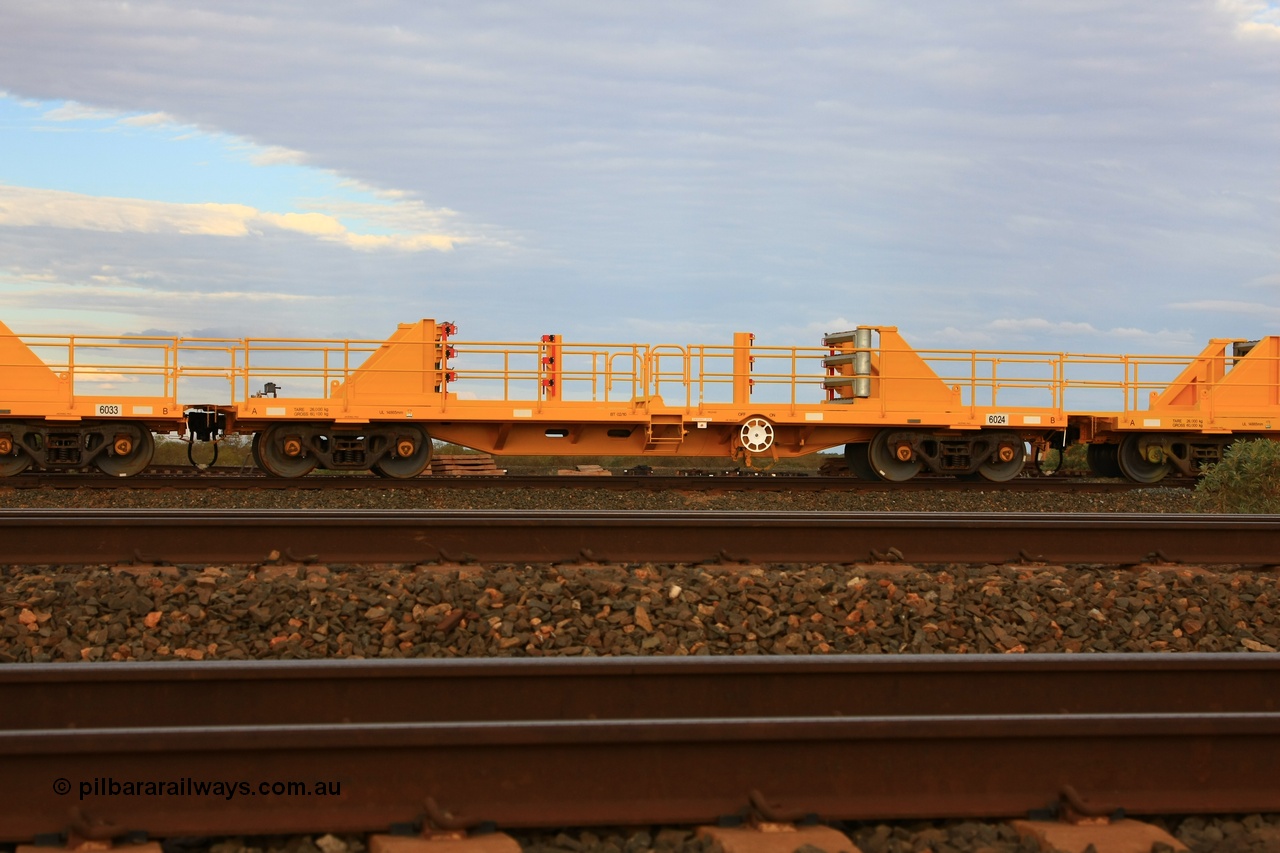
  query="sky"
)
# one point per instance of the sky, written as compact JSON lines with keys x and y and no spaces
{"x":1093,"y":176}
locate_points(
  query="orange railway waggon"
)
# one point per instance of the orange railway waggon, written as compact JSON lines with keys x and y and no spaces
{"x":76,"y":402}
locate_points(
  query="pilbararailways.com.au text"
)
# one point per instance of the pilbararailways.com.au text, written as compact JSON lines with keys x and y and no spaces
{"x":109,"y":786}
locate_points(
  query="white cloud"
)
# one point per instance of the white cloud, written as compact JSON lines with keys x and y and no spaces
{"x":22,"y":290}
{"x":1256,"y":18}
{"x":963,"y":338}
{"x":675,"y":331}
{"x":835,"y":324}
{"x":1039,"y":325}
{"x":150,"y":120}
{"x":1272,"y":280}
{"x":276,"y":155}
{"x":1229,"y":306}
{"x":1041,"y":334}
{"x":27,"y":207}
{"x":71,"y":111}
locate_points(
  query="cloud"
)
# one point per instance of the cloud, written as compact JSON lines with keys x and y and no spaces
{"x":71,"y":111}
{"x":103,"y":305}
{"x":28,"y":207}
{"x":276,"y":155}
{"x":1039,"y":333}
{"x":1064,"y":170}
{"x":149,"y":120}
{"x":1255,"y":19}
{"x":21,"y":289}
{"x":647,"y":330}
{"x":1039,"y":325}
{"x":1229,"y":306}
{"x":1272,"y":280}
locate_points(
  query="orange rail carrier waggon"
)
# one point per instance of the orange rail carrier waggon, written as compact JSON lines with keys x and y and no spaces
{"x":75,"y":402}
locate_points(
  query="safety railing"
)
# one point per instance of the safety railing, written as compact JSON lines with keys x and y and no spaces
{"x":216,"y":370}
{"x":247,"y":368}
{"x":1080,"y":382}
{"x":96,"y":365}
{"x":1113,"y":383}
{"x":492,"y":370}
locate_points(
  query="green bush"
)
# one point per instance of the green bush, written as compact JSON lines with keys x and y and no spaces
{"x":1072,"y":462}
{"x":233,"y":452}
{"x":1246,"y":480}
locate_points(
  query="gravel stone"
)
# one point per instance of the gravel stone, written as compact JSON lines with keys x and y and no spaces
{"x":71,"y":613}
{"x":976,"y":500}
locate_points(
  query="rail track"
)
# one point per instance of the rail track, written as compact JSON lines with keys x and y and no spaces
{"x":108,"y":751}
{"x":37,"y":536}
{"x":105,"y":751}
{"x":654,"y":483}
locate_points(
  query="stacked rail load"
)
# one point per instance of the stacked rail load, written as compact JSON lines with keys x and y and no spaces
{"x":77,"y":402}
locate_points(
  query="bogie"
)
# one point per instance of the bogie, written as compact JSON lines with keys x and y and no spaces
{"x":296,"y":449}
{"x":117,"y":448}
{"x":899,"y":455}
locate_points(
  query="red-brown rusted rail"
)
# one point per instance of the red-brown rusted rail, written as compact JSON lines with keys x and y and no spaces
{"x":250,"y":536}
{"x":557,"y":743}
{"x":654,"y":483}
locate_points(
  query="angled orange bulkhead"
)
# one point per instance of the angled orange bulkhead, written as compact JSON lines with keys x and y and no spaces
{"x":29,"y":387}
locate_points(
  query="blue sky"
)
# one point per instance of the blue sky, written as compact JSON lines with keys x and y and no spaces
{"x":70,"y":147}
{"x":61,"y":145}
{"x":1096,"y":176}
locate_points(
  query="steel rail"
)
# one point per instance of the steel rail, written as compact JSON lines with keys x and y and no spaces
{"x":654,"y":483}
{"x":424,"y":536}
{"x":37,"y":696}
{"x":548,"y":743}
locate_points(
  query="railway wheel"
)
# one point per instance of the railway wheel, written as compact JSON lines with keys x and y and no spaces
{"x":1142,"y":464}
{"x":280,"y":451}
{"x":410,"y":455}
{"x":1102,"y":460}
{"x":129,"y":450}
{"x":13,"y":459}
{"x":756,"y":434}
{"x":894,"y":460}
{"x":1007,"y":461}
{"x":855,"y":456}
